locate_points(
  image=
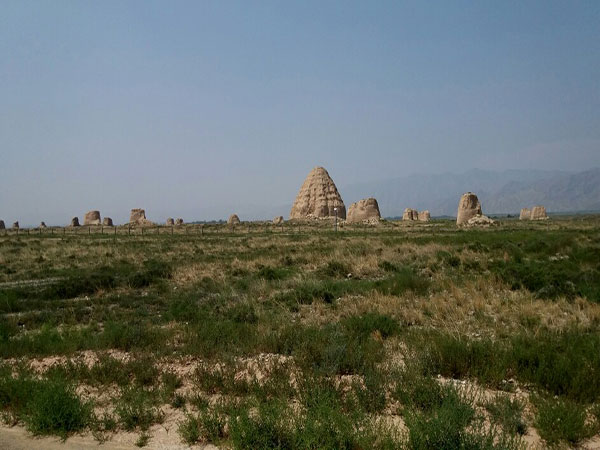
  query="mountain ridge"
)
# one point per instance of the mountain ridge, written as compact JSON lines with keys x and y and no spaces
{"x":503,"y":192}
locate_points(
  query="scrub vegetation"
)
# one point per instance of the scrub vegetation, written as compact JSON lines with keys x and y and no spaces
{"x":390,"y":336}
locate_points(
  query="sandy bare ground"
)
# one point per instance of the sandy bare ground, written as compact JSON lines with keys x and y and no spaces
{"x":17,"y":438}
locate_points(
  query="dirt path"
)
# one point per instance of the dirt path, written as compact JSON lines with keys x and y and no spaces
{"x":29,"y":283}
{"x":17,"y":438}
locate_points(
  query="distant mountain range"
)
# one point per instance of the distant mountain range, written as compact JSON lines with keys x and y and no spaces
{"x":503,"y":192}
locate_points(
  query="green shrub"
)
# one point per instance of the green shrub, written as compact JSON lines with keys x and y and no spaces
{"x":107,"y":370}
{"x":370,"y":394}
{"x":187,"y":309}
{"x":151,"y":272}
{"x":565,"y":363}
{"x":143,"y":370}
{"x":446,"y":418}
{"x":69,"y":286}
{"x":353,"y":346}
{"x":142,"y":440}
{"x":242,"y":312}
{"x":76,"y":284}
{"x":419,"y":392}
{"x":16,"y":394}
{"x":402,"y":281}
{"x":102,"y":426}
{"x":131,"y":336}
{"x":328,"y":291}
{"x":444,"y":427}
{"x":48,"y":341}
{"x":219,"y":336}
{"x":368,"y":323}
{"x":448,"y":258}
{"x":56,"y":409}
{"x":463,"y":358}
{"x":508,"y":413}
{"x":551,"y":278}
{"x":324,"y":425}
{"x":306,"y":292}
{"x":273,"y":273}
{"x":45,"y":406}
{"x":178,"y":401}
{"x":215,"y":379}
{"x":8,"y":328}
{"x":10,"y":301}
{"x":136,"y":408}
{"x":333,"y":350}
{"x":387,"y":266}
{"x":288,"y":261}
{"x":85,"y":284}
{"x":276,"y":385}
{"x":266,"y":429}
{"x":170,"y":382}
{"x":331,"y":422}
{"x":335,"y":269}
{"x":189,"y":430}
{"x":561,"y":420}
{"x":212,"y":425}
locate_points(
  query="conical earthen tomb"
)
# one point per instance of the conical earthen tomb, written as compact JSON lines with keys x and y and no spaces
{"x":318,"y":197}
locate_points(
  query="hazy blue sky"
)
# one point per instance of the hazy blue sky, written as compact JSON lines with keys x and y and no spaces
{"x":194,"y":108}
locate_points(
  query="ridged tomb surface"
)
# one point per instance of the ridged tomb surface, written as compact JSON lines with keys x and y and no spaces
{"x":318,"y":197}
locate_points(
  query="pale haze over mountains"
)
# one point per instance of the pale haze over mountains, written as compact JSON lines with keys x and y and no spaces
{"x":503,"y":192}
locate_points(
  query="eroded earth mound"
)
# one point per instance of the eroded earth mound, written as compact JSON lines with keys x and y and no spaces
{"x":468,"y":207}
{"x":363,"y":210}
{"x":538,"y":213}
{"x":318,"y":197}
{"x":92,"y":218}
